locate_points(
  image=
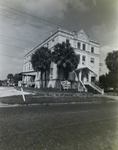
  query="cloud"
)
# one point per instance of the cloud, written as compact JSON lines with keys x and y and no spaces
{"x":79,"y":5}
{"x":94,"y":2}
{"x":98,"y":29}
{"x":105,"y":35}
{"x":40,"y":8}
{"x":46,"y":8}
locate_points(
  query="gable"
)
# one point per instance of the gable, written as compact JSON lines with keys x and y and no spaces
{"x":82,"y":35}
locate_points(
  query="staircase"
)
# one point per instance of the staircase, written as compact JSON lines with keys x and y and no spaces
{"x":93,"y":88}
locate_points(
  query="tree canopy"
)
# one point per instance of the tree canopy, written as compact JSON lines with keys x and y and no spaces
{"x":17,"y":77}
{"x":65,"y":58}
{"x":112,"y":61}
{"x":10,"y":76}
{"x":111,"y":79}
{"x":41,"y":60}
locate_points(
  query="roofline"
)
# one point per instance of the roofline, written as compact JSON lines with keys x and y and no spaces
{"x":94,"y":42}
{"x":85,"y":68}
{"x":29,"y":72}
{"x":42,"y":42}
{"x":58,"y":30}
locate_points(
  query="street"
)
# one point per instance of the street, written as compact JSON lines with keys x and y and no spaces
{"x":61,"y":127}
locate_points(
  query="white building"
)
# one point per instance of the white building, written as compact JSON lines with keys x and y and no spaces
{"x":87,"y":71}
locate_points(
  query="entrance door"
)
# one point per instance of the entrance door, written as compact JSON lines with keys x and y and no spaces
{"x":92,"y":79}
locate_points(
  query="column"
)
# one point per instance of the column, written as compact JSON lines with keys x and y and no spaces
{"x":89,"y":77}
{"x":80,"y":75}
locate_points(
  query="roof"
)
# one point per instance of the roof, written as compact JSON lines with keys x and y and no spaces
{"x":77,"y":70}
{"x":80,"y":33}
{"x":31,"y":73}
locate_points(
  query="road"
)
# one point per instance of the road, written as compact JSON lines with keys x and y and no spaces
{"x":61,"y":127}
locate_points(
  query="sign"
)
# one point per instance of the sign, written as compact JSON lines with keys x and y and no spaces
{"x":22,"y":94}
{"x":22,"y":84}
{"x":66,"y":84}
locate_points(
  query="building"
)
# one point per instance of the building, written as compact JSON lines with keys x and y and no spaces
{"x":87,"y":71}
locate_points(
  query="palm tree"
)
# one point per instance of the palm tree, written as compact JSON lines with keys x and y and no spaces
{"x":41,"y":61}
{"x":65,"y":58}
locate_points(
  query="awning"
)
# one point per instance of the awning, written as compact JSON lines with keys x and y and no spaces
{"x":29,"y":73}
{"x":85,"y":68}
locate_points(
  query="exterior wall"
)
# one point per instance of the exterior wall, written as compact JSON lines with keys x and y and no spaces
{"x":82,"y":44}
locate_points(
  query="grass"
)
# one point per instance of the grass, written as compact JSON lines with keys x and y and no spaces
{"x":35,"y":99}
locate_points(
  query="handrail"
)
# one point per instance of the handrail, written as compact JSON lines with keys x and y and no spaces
{"x":95,"y":87}
{"x":83,"y":85}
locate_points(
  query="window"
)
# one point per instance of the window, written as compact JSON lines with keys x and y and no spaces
{"x":67,"y":40}
{"x":79,"y":45}
{"x":78,"y":56}
{"x":84,"y":47}
{"x":24,"y":60}
{"x":51,"y":73}
{"x":92,"y":49}
{"x":92,"y":60}
{"x":83,"y":58}
{"x":24,"y":68}
{"x":29,"y":66}
{"x":100,"y":64}
{"x":52,"y":40}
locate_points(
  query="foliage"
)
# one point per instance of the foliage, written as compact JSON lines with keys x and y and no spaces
{"x":13,"y":79}
{"x":65,"y":58}
{"x":41,"y":61}
{"x":10,"y":77}
{"x":112,"y":64}
{"x":17,"y":77}
{"x":112,"y":61}
{"x":104,"y":81}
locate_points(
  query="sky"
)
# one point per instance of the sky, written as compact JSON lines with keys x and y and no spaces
{"x":26,"y":23}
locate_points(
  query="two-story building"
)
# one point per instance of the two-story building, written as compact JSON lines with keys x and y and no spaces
{"x":87,"y":50}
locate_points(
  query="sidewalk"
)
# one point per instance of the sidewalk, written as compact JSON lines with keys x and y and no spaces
{"x":107,"y":96}
{"x":10,"y":91}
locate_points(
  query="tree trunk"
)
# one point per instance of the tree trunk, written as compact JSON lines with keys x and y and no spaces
{"x":66,"y":72}
{"x":45,"y":79}
{"x":41,"y":79}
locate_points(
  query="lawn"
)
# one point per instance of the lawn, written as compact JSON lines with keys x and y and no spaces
{"x":36,"y":99}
